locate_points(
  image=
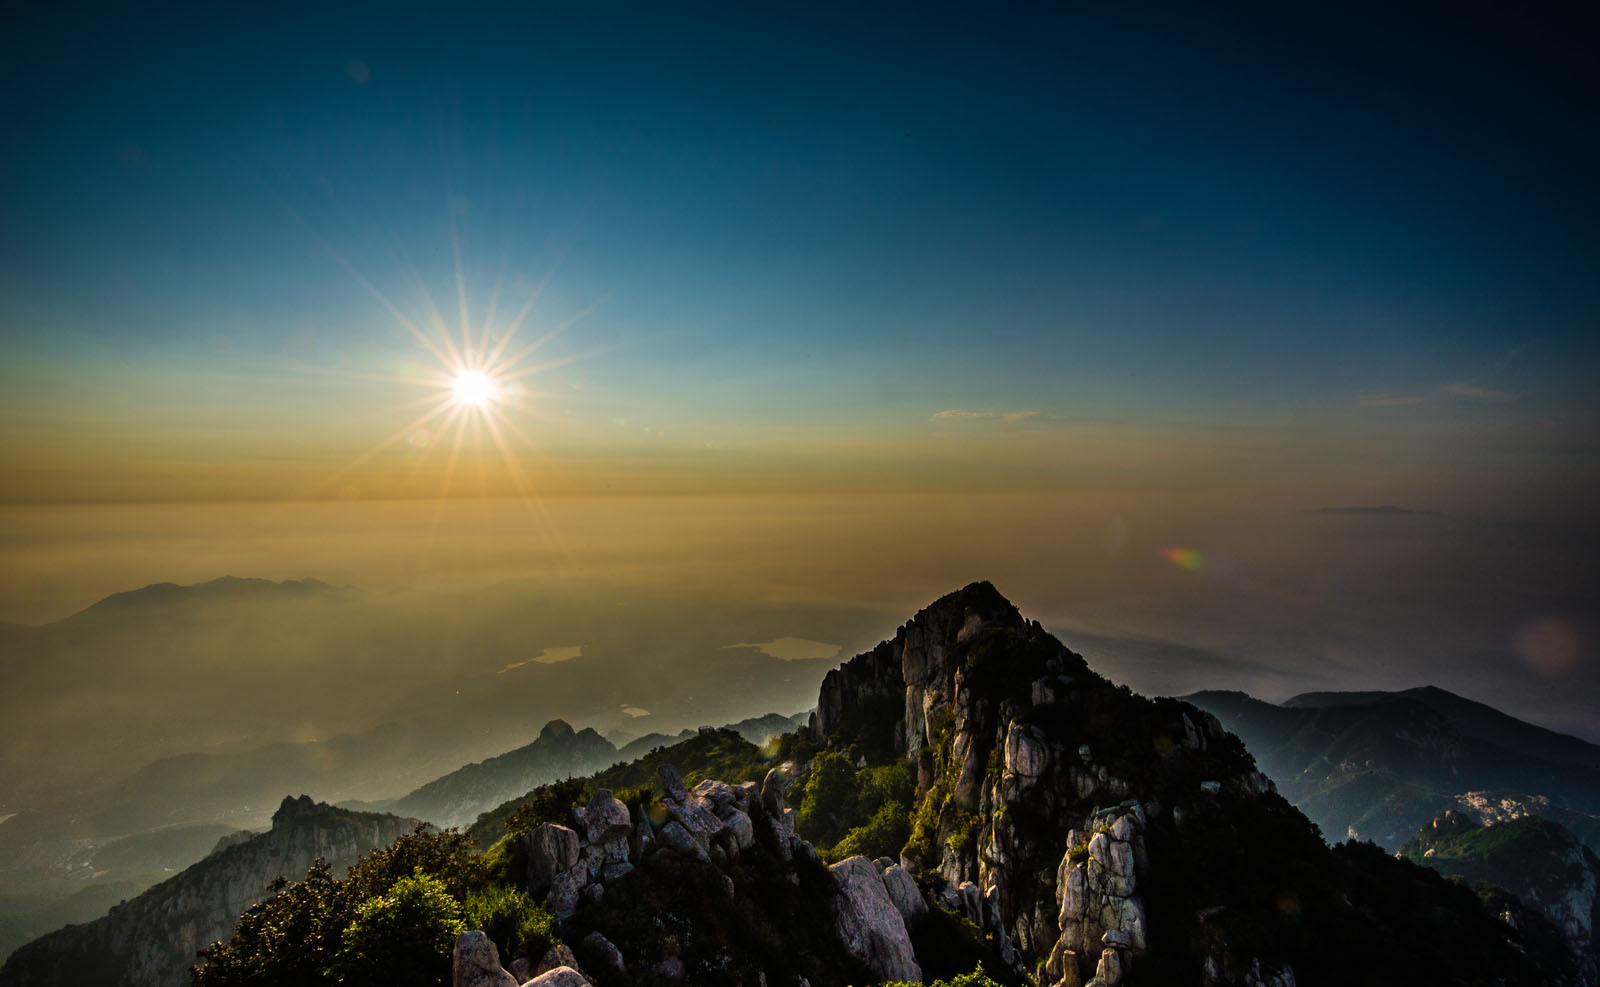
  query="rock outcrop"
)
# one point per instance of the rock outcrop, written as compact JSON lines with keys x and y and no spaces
{"x":151,"y":940}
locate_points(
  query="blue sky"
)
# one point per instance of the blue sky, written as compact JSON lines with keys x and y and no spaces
{"x":780,"y":218}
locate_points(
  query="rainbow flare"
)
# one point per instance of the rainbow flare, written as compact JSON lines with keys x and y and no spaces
{"x":1185,"y":558}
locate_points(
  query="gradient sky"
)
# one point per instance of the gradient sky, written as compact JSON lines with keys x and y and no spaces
{"x":1262,"y":246}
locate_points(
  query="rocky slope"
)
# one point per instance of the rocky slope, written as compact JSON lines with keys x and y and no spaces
{"x":1098,"y":836}
{"x":1539,"y":861}
{"x":151,"y":941}
{"x":1065,"y":830}
{"x":1376,"y":766}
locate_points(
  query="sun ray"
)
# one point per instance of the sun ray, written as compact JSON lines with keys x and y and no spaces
{"x":461,"y":283}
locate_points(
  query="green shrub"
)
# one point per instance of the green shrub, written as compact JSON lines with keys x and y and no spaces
{"x":401,"y":938}
{"x":518,"y":925}
{"x":883,"y":835}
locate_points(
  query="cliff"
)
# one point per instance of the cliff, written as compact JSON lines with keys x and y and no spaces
{"x":153,"y":939}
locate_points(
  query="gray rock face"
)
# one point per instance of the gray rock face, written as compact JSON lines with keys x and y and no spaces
{"x":475,"y":962}
{"x":903,"y":892}
{"x":741,"y":828}
{"x":1017,"y":779}
{"x":552,"y":849}
{"x":869,"y":923}
{"x":1027,"y":752}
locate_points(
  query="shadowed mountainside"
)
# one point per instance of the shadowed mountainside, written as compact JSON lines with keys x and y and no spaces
{"x":1377,"y":766}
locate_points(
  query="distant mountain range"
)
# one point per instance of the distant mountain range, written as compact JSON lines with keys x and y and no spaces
{"x":1379,"y":765}
{"x":559,"y":751}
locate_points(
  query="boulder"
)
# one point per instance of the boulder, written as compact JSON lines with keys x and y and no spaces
{"x":903,"y":892}
{"x":552,"y":849}
{"x":476,"y":963}
{"x":606,"y":819}
{"x":558,"y":955}
{"x":719,"y":794}
{"x":1027,"y":752}
{"x":869,"y":924}
{"x":561,"y":976}
{"x":605,"y":952}
{"x":676,"y":836}
{"x":741,"y":828}
{"x":565,"y":889}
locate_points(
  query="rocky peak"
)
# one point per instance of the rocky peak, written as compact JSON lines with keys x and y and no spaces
{"x":293,"y":809}
{"x":555,"y":730}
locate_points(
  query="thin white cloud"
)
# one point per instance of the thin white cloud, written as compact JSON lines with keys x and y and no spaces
{"x":1476,"y":392}
{"x":963,"y":415}
{"x":549,"y":656}
{"x":1390,"y":400}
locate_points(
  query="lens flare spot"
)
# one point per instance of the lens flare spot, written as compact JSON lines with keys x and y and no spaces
{"x":1185,"y":558}
{"x":1549,"y":645}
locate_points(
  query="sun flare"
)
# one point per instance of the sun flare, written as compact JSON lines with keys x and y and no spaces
{"x":473,"y":388}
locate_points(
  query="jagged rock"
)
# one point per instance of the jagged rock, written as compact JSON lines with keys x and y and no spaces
{"x":1109,"y":971}
{"x":606,"y":820}
{"x":903,"y":892}
{"x":552,"y":849}
{"x":475,"y":962}
{"x":641,"y":835}
{"x":557,"y":955}
{"x":772,"y":787}
{"x":672,"y":786}
{"x":971,"y":901}
{"x":675,"y":835}
{"x":565,"y":889}
{"x":869,"y":923}
{"x":719,"y":794}
{"x":561,"y":976}
{"x":615,"y":870}
{"x":610,"y":957}
{"x":741,"y":828}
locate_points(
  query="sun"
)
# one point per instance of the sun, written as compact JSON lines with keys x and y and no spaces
{"x":474,"y":389}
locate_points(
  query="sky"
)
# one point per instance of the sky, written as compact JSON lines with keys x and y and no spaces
{"x":1213,"y":268}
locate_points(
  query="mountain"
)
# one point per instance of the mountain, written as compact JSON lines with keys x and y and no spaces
{"x":153,"y":939}
{"x":1377,"y":765}
{"x":458,"y":797}
{"x":558,"y":752}
{"x":968,"y":791}
{"x":759,"y":730}
{"x":1540,"y":862}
